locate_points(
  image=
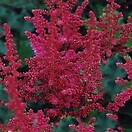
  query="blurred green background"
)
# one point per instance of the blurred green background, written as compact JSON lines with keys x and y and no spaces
{"x":13,"y":12}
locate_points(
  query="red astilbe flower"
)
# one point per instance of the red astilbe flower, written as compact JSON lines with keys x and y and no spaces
{"x":81,"y":127}
{"x":65,"y":73}
{"x":21,"y":120}
{"x":120,"y":100}
{"x":115,"y":35}
{"x":64,"y":61}
{"x":127,"y":66}
{"x":126,"y":94}
{"x":112,"y":116}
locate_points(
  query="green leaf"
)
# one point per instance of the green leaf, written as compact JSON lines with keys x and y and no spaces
{"x":110,"y":72}
{"x":24,"y":51}
{"x":103,"y":123}
{"x":129,"y":43}
{"x":64,"y":125}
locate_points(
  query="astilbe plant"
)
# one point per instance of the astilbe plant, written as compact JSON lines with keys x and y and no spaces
{"x":64,"y":74}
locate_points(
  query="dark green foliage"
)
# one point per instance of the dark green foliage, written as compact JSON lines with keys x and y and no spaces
{"x":110,"y":72}
{"x":103,"y":123}
{"x":125,"y":116}
{"x":64,"y":125}
{"x":5,"y":114}
{"x":3,"y":95}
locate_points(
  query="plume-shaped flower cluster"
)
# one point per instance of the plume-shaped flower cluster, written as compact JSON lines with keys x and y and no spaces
{"x":65,"y":73}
